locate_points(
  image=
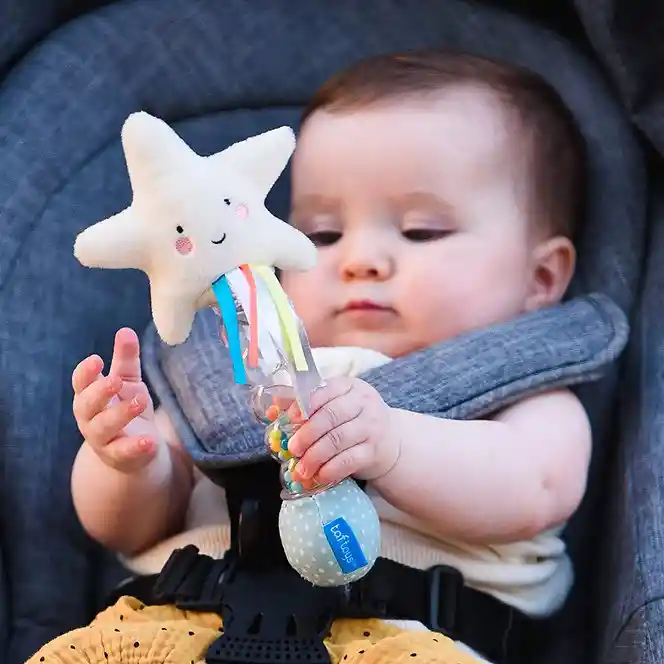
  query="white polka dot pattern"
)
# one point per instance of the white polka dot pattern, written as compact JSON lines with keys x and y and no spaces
{"x":301,"y":523}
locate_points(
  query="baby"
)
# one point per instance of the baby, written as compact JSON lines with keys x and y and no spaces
{"x":441,"y":191}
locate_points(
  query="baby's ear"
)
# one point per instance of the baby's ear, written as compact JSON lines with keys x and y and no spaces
{"x":553,"y":262}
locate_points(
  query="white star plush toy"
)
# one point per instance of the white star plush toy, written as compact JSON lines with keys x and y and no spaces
{"x":194,"y":218}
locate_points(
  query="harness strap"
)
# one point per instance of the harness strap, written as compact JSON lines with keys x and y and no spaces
{"x":439,"y":599}
{"x":274,"y":611}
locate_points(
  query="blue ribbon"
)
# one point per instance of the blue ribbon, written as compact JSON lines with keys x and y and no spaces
{"x":222,"y":291}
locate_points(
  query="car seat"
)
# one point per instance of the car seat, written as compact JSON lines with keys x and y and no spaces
{"x":221,"y":72}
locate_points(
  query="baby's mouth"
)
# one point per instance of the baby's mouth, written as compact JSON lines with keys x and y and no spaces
{"x":366,"y":306}
{"x":223,"y":237}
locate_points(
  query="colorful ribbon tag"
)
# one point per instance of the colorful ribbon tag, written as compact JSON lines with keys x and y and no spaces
{"x":253,"y":314}
{"x":266,"y":307}
{"x":222,"y":291}
{"x":286,"y":316}
{"x":245,"y":292}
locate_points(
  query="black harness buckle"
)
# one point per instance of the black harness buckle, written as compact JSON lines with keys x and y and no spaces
{"x":445,"y":592}
{"x":269,"y":615}
{"x":192,"y":581}
{"x":273,"y":616}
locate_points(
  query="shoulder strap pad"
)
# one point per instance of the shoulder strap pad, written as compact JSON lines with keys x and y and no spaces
{"x":469,"y":376}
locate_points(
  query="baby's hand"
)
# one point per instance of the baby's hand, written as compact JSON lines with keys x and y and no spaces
{"x":349,"y":433}
{"x":115,"y":413}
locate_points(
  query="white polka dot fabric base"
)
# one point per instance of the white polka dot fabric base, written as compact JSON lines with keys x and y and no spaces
{"x":302,"y":522}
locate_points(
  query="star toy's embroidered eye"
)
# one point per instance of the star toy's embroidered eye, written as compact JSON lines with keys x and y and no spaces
{"x":227,"y":201}
{"x":179,"y":229}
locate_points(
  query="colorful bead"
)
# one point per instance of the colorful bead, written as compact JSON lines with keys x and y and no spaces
{"x":272,"y":413}
{"x":296,"y":487}
{"x":275,"y":440}
{"x":275,"y":435}
{"x":285,"y":424}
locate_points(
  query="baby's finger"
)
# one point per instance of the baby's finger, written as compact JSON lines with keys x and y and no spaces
{"x":86,"y":372}
{"x":106,"y":426}
{"x":335,"y":443}
{"x":283,"y":404}
{"x":334,"y":388}
{"x":126,"y":362}
{"x":294,"y":414}
{"x":333,"y":414}
{"x":94,"y":399}
{"x":344,"y":465}
{"x":130,"y":453}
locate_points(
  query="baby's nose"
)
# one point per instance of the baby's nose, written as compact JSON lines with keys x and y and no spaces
{"x":371,"y":263}
{"x":358,"y":271}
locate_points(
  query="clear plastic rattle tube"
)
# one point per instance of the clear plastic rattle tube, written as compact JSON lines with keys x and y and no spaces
{"x":330,"y":533}
{"x":280,"y":391}
{"x":276,"y":407}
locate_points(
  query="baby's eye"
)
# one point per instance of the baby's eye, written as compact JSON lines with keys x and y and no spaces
{"x":179,"y":229}
{"x":425,"y":234}
{"x":324,"y":238}
{"x":227,"y":201}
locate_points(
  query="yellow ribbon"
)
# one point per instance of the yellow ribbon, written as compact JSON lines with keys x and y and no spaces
{"x":289,"y":324}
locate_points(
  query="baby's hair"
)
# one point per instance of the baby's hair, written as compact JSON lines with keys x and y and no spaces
{"x":553,"y":147}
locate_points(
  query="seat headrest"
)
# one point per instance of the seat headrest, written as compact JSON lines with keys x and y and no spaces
{"x":221,"y":72}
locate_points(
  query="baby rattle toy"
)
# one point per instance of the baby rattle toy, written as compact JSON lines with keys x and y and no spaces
{"x":198,"y":227}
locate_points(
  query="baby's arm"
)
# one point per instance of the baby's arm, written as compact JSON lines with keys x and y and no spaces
{"x":497,"y":480}
{"x":487,"y":481}
{"x":131,"y":480}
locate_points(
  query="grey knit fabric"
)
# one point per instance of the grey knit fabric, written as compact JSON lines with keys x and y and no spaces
{"x":466,"y":377}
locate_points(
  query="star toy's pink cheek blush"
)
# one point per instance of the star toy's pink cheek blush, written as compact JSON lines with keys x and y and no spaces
{"x":184,"y":246}
{"x":242,"y":212}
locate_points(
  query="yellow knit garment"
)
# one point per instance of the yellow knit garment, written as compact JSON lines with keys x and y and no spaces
{"x":132,"y":633}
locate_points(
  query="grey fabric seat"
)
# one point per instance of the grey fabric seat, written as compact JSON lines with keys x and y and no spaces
{"x":221,"y":72}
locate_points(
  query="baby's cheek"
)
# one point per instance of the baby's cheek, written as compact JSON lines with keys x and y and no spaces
{"x":448,"y":303}
{"x":301,"y":288}
{"x":313,"y":296}
{"x":312,"y":311}
{"x":309,"y":308}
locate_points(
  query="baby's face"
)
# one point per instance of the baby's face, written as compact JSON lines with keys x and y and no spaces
{"x":421,"y":228}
